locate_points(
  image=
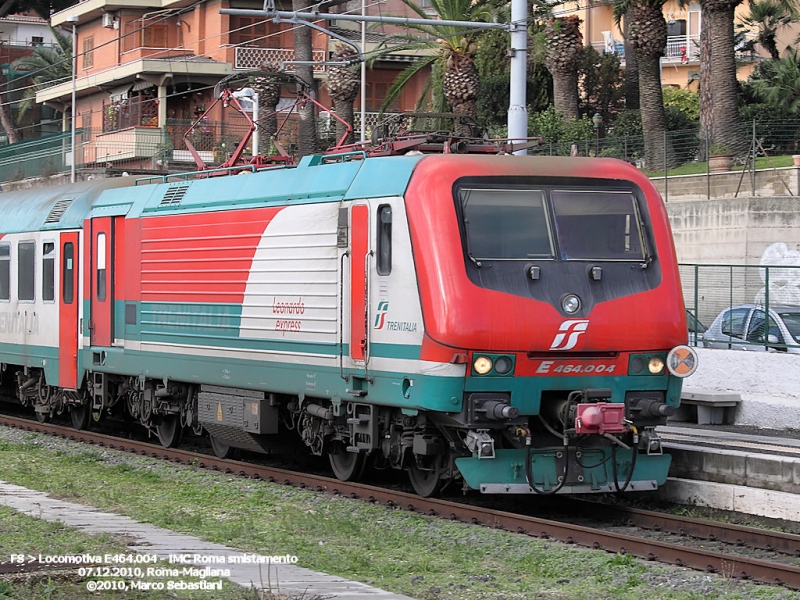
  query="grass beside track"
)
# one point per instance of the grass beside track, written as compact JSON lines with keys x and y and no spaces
{"x":420,"y":556}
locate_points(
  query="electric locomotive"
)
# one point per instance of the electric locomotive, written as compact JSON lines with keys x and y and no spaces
{"x":507,"y":324}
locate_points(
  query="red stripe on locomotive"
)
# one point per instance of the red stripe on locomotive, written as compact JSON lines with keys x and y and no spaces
{"x":203,"y":257}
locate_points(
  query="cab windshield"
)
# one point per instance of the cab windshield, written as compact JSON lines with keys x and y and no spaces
{"x":519,"y":224}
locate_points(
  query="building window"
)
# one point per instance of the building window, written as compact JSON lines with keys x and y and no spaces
{"x":68,"y":273}
{"x":155,"y":36}
{"x":88,"y":52}
{"x":376,"y":94}
{"x":37,"y":40}
{"x":25,"y":271}
{"x":5,"y":272}
{"x":86,"y":120}
{"x":256,"y":31}
{"x":48,"y":271}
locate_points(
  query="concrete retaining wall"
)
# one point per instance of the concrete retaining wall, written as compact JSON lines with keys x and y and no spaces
{"x":768,"y":383}
{"x":734,"y":230}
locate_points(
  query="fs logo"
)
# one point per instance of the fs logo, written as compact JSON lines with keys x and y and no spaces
{"x":380,"y":317}
{"x":569,"y":331}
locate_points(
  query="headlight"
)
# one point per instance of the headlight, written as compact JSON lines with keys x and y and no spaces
{"x":482,"y":365}
{"x":656,"y":365}
{"x":682,"y":361}
{"x":570,"y":303}
{"x":502,"y":365}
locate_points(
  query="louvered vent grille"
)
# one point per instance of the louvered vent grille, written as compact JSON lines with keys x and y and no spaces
{"x":58,"y":210}
{"x":173,"y":195}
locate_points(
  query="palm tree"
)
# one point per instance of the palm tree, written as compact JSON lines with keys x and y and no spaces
{"x":453,"y":57}
{"x":721,"y":118}
{"x":267,"y":84}
{"x":307,"y":125}
{"x":768,"y":17}
{"x":46,"y":67}
{"x":621,"y":16}
{"x":343,"y":84}
{"x":777,"y":81}
{"x":563,"y":48}
{"x":647,"y":33}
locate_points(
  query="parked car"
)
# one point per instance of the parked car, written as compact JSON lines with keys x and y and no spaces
{"x":695,"y":327}
{"x":746,"y":327}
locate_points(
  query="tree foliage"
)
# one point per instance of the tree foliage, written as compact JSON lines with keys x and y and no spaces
{"x":47,"y":66}
{"x":447,"y":42}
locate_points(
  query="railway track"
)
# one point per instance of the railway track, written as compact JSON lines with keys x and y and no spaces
{"x":729,"y":564}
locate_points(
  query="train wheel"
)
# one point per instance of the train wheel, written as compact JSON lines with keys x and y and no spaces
{"x":347,"y":466}
{"x":221,"y":450}
{"x":43,"y":417}
{"x":170,"y":431}
{"x":426,"y":482}
{"x":81,"y":416}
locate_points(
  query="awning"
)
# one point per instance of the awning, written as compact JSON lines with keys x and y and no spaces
{"x":120,"y":93}
{"x":141,"y":84}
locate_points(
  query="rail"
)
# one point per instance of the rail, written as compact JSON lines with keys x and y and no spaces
{"x":697,"y":558}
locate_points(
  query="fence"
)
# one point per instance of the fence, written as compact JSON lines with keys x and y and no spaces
{"x":40,"y":157}
{"x":708,"y":290}
{"x":761,"y":166}
{"x":679,"y":165}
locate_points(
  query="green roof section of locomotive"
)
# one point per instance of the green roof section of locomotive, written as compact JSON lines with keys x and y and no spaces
{"x":313,"y":180}
{"x":317,"y":178}
{"x":52,"y":208}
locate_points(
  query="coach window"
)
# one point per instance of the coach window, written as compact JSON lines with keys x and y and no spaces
{"x":384,"y":262}
{"x":5,"y":272}
{"x":25,"y":271}
{"x":68,"y":273}
{"x":101,"y":267}
{"x":48,"y":271}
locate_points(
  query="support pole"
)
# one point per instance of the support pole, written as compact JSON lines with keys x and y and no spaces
{"x":518,"y":109}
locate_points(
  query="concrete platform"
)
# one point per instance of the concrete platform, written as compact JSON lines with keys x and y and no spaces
{"x":150,"y":540}
{"x":734,"y":468}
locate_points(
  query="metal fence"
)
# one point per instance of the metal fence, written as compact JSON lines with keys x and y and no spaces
{"x":40,"y":157}
{"x":761,"y":165}
{"x":710,"y":290}
{"x":680,"y":167}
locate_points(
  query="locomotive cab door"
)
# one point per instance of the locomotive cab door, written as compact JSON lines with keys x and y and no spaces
{"x":100,"y":288}
{"x":360,"y":255}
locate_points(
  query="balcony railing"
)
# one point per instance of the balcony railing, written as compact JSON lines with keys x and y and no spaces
{"x":680,"y":48}
{"x":131,"y":112}
{"x":250,"y":58}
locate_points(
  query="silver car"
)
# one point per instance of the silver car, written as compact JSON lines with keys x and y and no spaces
{"x":746,"y":327}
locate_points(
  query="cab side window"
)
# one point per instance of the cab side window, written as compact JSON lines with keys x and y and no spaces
{"x":384,"y":241}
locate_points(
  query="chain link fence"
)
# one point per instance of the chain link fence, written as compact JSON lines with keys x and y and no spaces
{"x":761,"y":165}
{"x":759,"y":306}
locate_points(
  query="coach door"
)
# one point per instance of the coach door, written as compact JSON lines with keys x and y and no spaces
{"x":68,"y":311}
{"x":100,"y":282}
{"x":359,"y":273}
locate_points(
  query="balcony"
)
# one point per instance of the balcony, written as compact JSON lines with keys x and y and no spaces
{"x":138,"y":142}
{"x":249,"y":58}
{"x":680,"y":49}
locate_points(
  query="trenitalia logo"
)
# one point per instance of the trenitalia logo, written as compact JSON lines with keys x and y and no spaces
{"x":380,"y":316}
{"x":569,"y":331}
